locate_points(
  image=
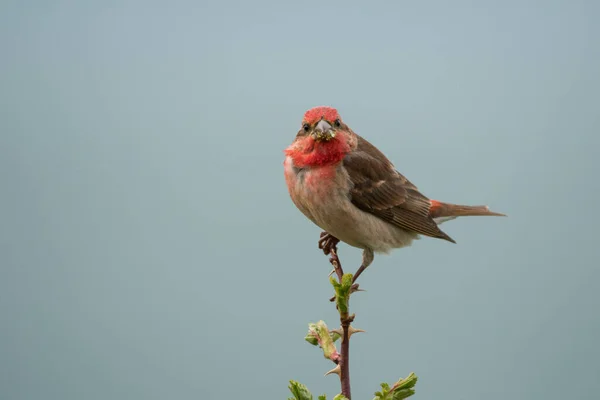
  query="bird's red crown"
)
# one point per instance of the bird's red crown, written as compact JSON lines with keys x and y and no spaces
{"x":315,"y":114}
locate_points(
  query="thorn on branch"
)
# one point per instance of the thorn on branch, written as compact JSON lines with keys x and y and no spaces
{"x":337,"y":370}
{"x":351,"y":331}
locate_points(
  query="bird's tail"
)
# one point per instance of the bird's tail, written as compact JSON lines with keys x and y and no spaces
{"x":446,"y":210}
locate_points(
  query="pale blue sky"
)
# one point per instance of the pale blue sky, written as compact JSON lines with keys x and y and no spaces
{"x":149,"y":249}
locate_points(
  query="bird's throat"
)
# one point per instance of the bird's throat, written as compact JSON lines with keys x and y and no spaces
{"x":307,"y":152}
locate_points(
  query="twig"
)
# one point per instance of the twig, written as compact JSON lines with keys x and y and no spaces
{"x":335,"y":261}
{"x":345,"y":320}
{"x":320,"y":335}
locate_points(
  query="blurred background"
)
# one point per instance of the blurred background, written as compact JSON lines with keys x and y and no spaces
{"x":148,"y":245}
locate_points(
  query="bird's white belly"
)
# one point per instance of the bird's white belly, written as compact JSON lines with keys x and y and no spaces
{"x":324,"y":197}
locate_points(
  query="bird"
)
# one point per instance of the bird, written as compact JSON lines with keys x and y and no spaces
{"x":351,"y":190}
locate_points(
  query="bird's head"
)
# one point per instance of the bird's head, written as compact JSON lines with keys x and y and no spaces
{"x":321,"y":124}
{"x":323,"y":139}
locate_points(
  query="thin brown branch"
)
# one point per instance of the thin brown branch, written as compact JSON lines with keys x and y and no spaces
{"x":345,"y":321}
{"x":335,"y":261}
{"x":345,"y":358}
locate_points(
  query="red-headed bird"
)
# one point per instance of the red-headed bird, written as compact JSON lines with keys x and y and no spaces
{"x":346,"y":186}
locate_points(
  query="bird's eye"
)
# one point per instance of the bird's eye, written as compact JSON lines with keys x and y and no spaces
{"x":337,"y":123}
{"x":306,"y":127}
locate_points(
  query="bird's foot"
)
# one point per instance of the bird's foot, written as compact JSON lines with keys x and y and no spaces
{"x":328,"y":242}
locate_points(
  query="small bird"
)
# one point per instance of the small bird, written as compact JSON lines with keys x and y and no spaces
{"x":347,"y":187}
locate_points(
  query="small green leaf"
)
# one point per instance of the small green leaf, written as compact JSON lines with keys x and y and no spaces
{"x":405,"y":387}
{"x":299,"y":391}
{"x":347,"y":281}
{"x":310,"y":338}
{"x":403,"y":394}
{"x":335,"y":336}
{"x":342,"y":292}
{"x":383,"y":395}
{"x":320,"y":334}
{"x":340,"y":397}
{"x":400,"y":390}
{"x":408,"y":382}
{"x":334,"y":282}
{"x":322,"y":397}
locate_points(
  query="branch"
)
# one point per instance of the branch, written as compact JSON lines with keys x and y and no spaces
{"x":343,"y":290}
{"x":319,"y":334}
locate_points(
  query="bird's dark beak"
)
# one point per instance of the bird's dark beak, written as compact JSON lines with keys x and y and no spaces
{"x":323,"y":131}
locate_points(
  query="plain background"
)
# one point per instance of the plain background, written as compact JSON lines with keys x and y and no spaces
{"x":149,"y":248}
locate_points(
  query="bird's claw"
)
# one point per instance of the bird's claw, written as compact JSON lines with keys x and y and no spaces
{"x":327,"y":242}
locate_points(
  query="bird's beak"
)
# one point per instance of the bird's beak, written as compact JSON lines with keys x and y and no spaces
{"x":323,"y":131}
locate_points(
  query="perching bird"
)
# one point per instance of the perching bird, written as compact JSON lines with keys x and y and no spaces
{"x":346,"y":186}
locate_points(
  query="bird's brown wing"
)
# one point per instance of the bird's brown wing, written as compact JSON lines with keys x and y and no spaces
{"x":382,"y":191}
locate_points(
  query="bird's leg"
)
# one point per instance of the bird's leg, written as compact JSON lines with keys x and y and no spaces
{"x":358,"y":272}
{"x":328,"y":242}
{"x":368,"y":257}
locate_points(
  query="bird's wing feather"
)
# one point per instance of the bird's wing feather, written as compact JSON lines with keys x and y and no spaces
{"x":382,"y":191}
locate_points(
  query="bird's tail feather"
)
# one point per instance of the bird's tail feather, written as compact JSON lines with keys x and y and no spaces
{"x":446,"y":210}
